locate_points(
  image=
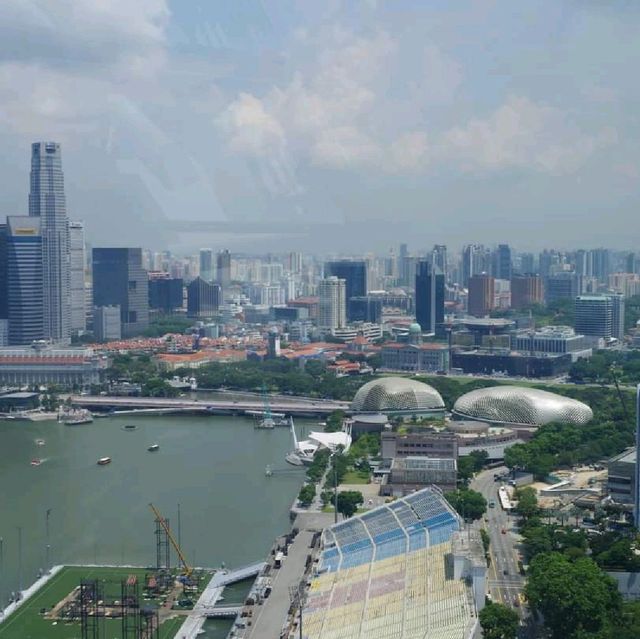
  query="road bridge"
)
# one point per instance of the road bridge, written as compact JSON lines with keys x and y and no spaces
{"x":300,"y":408}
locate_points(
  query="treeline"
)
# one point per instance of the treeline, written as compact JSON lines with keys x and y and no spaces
{"x":280,"y":376}
{"x":603,"y":366}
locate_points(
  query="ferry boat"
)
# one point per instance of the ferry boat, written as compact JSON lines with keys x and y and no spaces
{"x":103,"y":461}
{"x":153,"y":448}
{"x":36,"y":462}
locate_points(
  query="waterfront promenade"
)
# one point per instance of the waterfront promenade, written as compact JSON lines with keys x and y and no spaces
{"x":293,"y":407}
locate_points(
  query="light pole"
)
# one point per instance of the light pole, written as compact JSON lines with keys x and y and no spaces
{"x":47,"y":567}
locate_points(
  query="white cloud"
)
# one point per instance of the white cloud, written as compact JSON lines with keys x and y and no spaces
{"x":344,"y":147}
{"x":521,"y":134}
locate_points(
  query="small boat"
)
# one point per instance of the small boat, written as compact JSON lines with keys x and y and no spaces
{"x":130,"y":427}
{"x":265,"y":424}
{"x":103,"y":461}
{"x":40,"y":442}
{"x":153,"y":448}
{"x":36,"y":462}
{"x":268,"y":471}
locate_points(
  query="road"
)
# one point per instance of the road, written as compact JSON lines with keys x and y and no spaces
{"x":504,"y":579}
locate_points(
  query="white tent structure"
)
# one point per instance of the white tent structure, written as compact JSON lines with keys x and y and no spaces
{"x":303,"y":451}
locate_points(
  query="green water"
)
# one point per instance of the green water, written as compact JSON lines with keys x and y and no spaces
{"x":212,"y":466}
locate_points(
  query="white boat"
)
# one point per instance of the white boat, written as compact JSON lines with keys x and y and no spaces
{"x":103,"y":461}
{"x":266,"y":423}
{"x":77,"y":417}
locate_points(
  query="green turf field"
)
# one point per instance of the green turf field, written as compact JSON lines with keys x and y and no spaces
{"x":28,"y":623}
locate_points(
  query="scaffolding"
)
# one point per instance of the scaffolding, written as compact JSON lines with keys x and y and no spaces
{"x":163,"y":545}
{"x":91,"y":609}
{"x":130,"y":606}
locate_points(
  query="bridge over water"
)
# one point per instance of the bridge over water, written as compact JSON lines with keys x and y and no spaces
{"x":319,"y":407}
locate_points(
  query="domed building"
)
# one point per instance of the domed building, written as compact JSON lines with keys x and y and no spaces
{"x":520,"y":407}
{"x":398,"y":396}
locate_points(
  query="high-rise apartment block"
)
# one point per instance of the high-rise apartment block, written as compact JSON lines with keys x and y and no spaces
{"x":47,"y":201}
{"x":525,"y":291}
{"x":354,"y":274}
{"x":481,"y":295}
{"x":332,"y":303}
{"x":429,"y":296}
{"x":119,"y":279}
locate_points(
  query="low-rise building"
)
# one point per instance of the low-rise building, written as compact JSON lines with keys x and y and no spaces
{"x":413,"y":473}
{"x":422,"y":443}
{"x":427,"y":357}
{"x":44,"y":364}
{"x":621,"y":481}
{"x":552,"y":339}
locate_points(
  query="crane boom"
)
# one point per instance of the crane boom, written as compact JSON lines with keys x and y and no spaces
{"x":187,"y":568}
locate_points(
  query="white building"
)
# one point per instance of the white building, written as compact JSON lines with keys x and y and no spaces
{"x":332,"y":303}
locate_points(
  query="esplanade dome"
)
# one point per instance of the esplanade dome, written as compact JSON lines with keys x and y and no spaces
{"x":397,"y":395}
{"x":520,"y":405}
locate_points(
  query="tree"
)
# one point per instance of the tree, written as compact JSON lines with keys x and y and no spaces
{"x":307,"y":493}
{"x":470,"y":504}
{"x":576,"y":598}
{"x":348,"y":502}
{"x":527,"y":502}
{"x":498,"y":622}
{"x":334,"y":421}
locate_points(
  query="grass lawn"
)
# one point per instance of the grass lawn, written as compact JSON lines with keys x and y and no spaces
{"x":355,"y":477}
{"x":28,"y":623}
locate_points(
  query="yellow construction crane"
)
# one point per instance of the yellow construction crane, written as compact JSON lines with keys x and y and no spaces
{"x":187,"y":568}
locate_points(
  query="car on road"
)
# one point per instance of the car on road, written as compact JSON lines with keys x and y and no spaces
{"x":492,"y":504}
{"x":504,"y":531}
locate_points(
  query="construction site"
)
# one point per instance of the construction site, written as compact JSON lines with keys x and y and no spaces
{"x":116,"y":602}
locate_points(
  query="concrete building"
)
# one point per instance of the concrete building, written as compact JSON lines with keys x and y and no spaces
{"x":409,"y":474}
{"x":415,"y":356}
{"x":78,"y":262}
{"x":41,"y":364}
{"x":332,"y":312}
{"x":25,"y":297}
{"x":481,"y":295}
{"x":4,"y":301}
{"x":489,"y":361}
{"x":119,"y":279}
{"x":562,"y":286}
{"x":552,"y":339}
{"x":107,"y":324}
{"x":206,"y":264}
{"x":47,"y":202}
{"x":621,"y":483}
{"x":502,"y":264}
{"x":594,"y":316}
{"x":203,"y":298}
{"x":617,"y":316}
{"x":365,"y":309}
{"x":429,"y":296}
{"x":526,"y":290}
{"x":424,"y":442}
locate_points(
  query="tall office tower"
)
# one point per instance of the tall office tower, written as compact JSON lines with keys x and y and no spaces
{"x":594,"y":316}
{"x":24,"y":280}
{"x":502,"y":262}
{"x":294,"y":262}
{"x":429,"y":297}
{"x":525,"y":291}
{"x":4,"y":280}
{"x":119,"y":279}
{"x":473,"y":262}
{"x":439,"y":255}
{"x":223,"y":268}
{"x":203,"y":298}
{"x":206,"y":264}
{"x":527,"y":263}
{"x":353,"y":272}
{"x":562,"y":286}
{"x":584,"y":263}
{"x":47,"y":201}
{"x":332,"y":303}
{"x":166,"y":293}
{"x":601,"y":263}
{"x":631,"y":263}
{"x":107,"y":324}
{"x":481,"y":295}
{"x":617,"y":316}
{"x":405,"y":274}
{"x":76,"y":277}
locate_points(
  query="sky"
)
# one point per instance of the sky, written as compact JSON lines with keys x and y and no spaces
{"x":335,"y":126}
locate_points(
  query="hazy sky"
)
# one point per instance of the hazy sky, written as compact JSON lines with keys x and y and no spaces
{"x":329,"y":124}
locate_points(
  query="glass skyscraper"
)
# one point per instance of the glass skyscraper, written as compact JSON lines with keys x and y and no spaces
{"x":429,"y":296}
{"x":47,"y":201}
